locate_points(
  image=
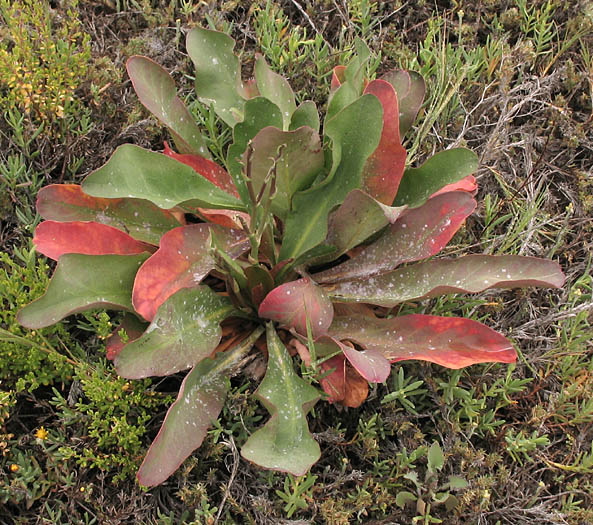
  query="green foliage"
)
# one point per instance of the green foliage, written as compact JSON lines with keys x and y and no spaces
{"x":29,"y":359}
{"x":43,"y":61}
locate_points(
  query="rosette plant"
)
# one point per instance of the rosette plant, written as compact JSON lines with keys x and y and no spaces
{"x":297,"y":247}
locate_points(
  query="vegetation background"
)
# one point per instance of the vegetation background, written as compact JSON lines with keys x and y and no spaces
{"x":510,"y":79}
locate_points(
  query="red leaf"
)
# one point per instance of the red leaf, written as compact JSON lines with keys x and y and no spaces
{"x":417,"y":234}
{"x":337,"y":77}
{"x":208,"y":169}
{"x":447,"y":341}
{"x":182,"y":261}
{"x":385,"y":167}
{"x":466,"y":184}
{"x":344,"y":384}
{"x":291,"y":303}
{"x":54,"y":239}
{"x":133,"y":327}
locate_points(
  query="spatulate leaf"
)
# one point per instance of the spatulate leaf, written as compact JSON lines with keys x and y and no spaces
{"x":384,"y":169}
{"x":182,"y":261}
{"x":53,"y":239}
{"x":139,"y":218}
{"x":134,"y":172}
{"x":276,"y":88}
{"x":410,"y":99}
{"x":292,"y":303}
{"x":185,"y":330}
{"x":198,"y":404}
{"x":218,"y":73}
{"x":447,"y":341}
{"x":418,"y":234}
{"x":472,"y":273}
{"x":71,"y":291}
{"x":156,"y":90}
{"x":446,"y":167}
{"x":284,"y":443}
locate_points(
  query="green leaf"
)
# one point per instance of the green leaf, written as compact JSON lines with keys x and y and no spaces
{"x":135,"y":172}
{"x":284,"y":442}
{"x":410,"y":88}
{"x":404,"y":497}
{"x":82,"y":282}
{"x":185,"y":330}
{"x":259,"y":113}
{"x":455,"y":482}
{"x":218,"y":73}
{"x":446,"y":167}
{"x":357,"y":218}
{"x":275,"y":88}
{"x":436,"y":458}
{"x":305,"y":115}
{"x":156,"y":90}
{"x":198,"y":404}
{"x":300,"y":161}
{"x":355,"y":133}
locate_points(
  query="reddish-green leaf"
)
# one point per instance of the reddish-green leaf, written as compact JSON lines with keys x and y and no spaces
{"x":418,"y":234}
{"x":284,"y":443}
{"x":198,"y":404}
{"x":446,"y":167}
{"x":300,"y":160}
{"x":292,"y":303}
{"x":207,"y":169}
{"x":410,"y":89}
{"x":185,"y":330}
{"x":156,"y":90}
{"x":370,"y":364}
{"x":468,"y":184}
{"x":357,"y":218}
{"x":447,"y":341}
{"x":130,"y":328}
{"x":82,"y":282}
{"x":182,"y":261}
{"x":385,"y":167}
{"x":140,"y":218}
{"x":135,"y":172}
{"x":54,"y":239}
{"x":275,"y":88}
{"x":343,"y":384}
{"x":473,"y":273}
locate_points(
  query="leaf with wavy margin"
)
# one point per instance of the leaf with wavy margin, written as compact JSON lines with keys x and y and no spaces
{"x":384,"y":169}
{"x":418,"y":234}
{"x":139,"y":218}
{"x":198,"y":404}
{"x":135,"y":172}
{"x":284,"y":443}
{"x":54,"y":239}
{"x":343,"y":384}
{"x":292,"y":303}
{"x":82,"y":282}
{"x":446,"y":167}
{"x":275,"y":88}
{"x":218,"y":73}
{"x":182,"y":261}
{"x":447,"y":341}
{"x":469,"y":274}
{"x":185,"y":330}
{"x":157,"y":92}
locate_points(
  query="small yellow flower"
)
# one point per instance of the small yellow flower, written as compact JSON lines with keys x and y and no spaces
{"x":14,"y":467}
{"x":41,"y":433}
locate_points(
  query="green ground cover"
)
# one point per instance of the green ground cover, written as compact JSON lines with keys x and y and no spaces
{"x":509,"y":79}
